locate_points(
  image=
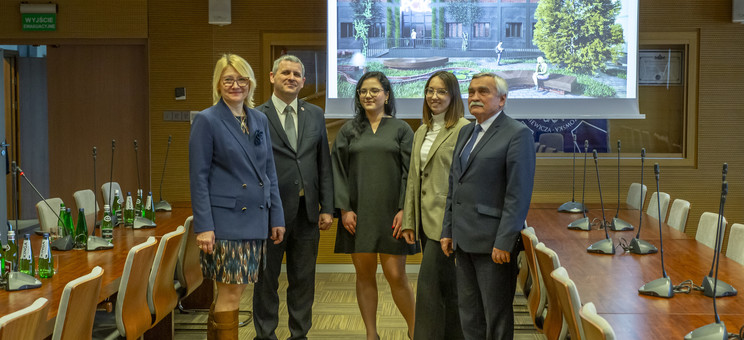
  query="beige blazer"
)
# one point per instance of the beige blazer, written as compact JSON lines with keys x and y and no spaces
{"x":426,"y":190}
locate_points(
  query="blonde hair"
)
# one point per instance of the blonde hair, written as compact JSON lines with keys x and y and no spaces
{"x":242,"y":67}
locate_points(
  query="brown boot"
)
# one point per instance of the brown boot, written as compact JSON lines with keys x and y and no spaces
{"x":211,"y":331}
{"x":226,"y":325}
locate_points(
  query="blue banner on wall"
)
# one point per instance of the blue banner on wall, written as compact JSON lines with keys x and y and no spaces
{"x":593,"y":130}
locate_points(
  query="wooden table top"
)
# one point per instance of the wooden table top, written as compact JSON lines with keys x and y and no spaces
{"x":75,"y":263}
{"x":611,"y":282}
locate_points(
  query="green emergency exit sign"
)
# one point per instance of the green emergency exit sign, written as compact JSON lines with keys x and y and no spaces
{"x":39,"y":21}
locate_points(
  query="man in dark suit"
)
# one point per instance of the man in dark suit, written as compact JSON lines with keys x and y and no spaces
{"x":303,"y":167}
{"x":490,"y":186}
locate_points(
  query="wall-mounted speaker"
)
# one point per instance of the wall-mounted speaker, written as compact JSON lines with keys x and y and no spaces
{"x":737,"y":11}
{"x":219,"y":12}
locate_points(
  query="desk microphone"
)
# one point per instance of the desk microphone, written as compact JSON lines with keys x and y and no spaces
{"x":617,"y":223}
{"x":638,"y":246}
{"x":724,"y":289}
{"x":582,"y":223}
{"x":661,"y":287}
{"x":62,"y":243}
{"x":568,"y":207}
{"x":163,"y":205}
{"x":18,"y":280}
{"x":110,"y":199}
{"x":606,"y":246}
{"x":139,"y":221}
{"x":716,"y":330}
{"x":95,"y":242}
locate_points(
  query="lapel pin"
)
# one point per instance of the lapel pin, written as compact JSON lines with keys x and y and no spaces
{"x":302,"y":109}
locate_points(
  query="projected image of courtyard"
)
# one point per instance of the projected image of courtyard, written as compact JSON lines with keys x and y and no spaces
{"x":544,"y":49}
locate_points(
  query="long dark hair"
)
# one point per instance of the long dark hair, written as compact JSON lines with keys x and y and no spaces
{"x":455,"y":110}
{"x":360,"y":117}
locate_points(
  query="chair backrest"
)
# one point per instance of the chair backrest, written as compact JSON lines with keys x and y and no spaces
{"x":552,"y":140}
{"x":735,"y":248}
{"x":108,"y":198}
{"x":678,"y":214}
{"x":706,"y":231}
{"x":188,"y":268}
{"x":47,"y":217}
{"x":595,"y":326}
{"x":653,"y":205}
{"x":161,"y":292}
{"x":636,"y":196}
{"x":568,"y":299}
{"x":536,"y":299}
{"x":25,"y":323}
{"x":77,"y":308}
{"x":547,"y":260}
{"x":86,"y":199}
{"x":133,"y":316}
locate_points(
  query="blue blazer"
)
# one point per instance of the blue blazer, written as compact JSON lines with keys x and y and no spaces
{"x":488,"y":199}
{"x":234,"y":189}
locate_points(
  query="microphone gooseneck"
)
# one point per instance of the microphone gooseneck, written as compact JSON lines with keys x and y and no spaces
{"x":601,"y":201}
{"x":719,"y":233}
{"x":136,"y":162}
{"x":162,"y":176}
{"x":573,"y":171}
{"x":617,"y":213}
{"x":658,"y":201}
{"x":111,"y":174}
{"x":95,"y":195}
{"x":640,"y":215}
{"x":724,"y":191}
{"x":583,"y":185}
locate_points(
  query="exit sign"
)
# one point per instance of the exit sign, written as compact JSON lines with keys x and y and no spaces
{"x":39,"y":21}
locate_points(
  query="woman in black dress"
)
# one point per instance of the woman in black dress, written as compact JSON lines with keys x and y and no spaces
{"x":370,"y":166}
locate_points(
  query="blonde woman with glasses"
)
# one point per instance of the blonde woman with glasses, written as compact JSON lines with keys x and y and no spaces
{"x":234,"y":191}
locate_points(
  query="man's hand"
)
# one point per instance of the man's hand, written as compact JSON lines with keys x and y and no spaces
{"x":325,"y":221}
{"x":446,"y":244}
{"x":409,"y":236}
{"x":277,"y":234}
{"x":205,"y":241}
{"x":499,"y":256}
{"x":349,"y":220}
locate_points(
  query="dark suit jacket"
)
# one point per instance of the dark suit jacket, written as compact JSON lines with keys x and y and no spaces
{"x":234,"y":189}
{"x":488,"y":200}
{"x":308,"y":167}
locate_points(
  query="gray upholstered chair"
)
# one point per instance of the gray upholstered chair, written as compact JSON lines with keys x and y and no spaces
{"x":653,"y":205}
{"x":636,"y":196}
{"x":706,"y":231}
{"x":678,"y":214}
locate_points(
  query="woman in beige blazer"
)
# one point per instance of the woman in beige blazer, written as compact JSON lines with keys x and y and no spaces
{"x":426,"y":193}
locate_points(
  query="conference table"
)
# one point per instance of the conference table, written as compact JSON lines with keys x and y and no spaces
{"x":611,"y":282}
{"x":72,"y":264}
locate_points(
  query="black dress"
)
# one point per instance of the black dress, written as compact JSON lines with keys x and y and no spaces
{"x":369,"y":178}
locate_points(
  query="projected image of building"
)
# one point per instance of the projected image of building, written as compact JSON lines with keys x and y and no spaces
{"x":521,"y":40}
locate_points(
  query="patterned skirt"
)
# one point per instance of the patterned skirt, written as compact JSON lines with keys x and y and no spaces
{"x":233,"y":261}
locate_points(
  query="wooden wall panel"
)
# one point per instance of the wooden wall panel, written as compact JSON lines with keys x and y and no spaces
{"x":79,"y":19}
{"x":97,"y":93}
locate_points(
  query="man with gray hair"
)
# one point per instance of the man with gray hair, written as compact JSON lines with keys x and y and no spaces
{"x":303,"y":168}
{"x":490,"y":187}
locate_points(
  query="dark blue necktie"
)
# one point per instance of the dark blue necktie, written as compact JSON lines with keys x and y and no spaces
{"x":469,"y":147}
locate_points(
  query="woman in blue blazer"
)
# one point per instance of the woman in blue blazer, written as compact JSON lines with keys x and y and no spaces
{"x":234,"y":191}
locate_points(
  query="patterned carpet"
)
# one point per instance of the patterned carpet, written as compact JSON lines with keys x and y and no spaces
{"x":336,"y":314}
